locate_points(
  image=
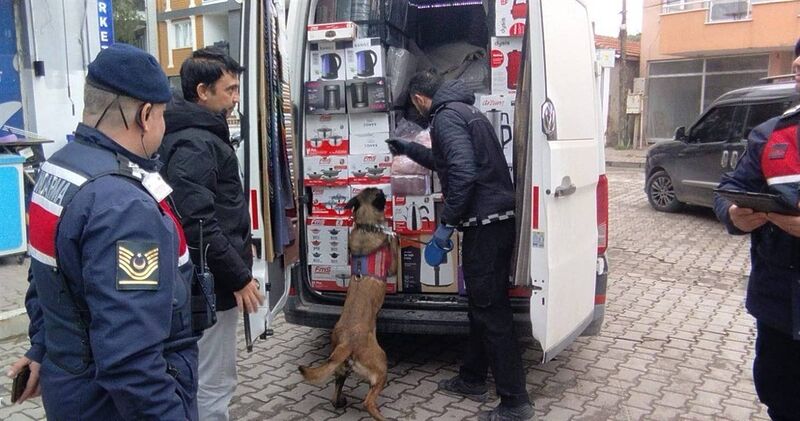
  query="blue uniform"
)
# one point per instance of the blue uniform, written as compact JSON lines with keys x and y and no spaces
{"x":772,"y":165}
{"x":109,"y":299}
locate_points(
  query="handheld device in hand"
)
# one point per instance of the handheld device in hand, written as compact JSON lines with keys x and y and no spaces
{"x":759,"y":202}
{"x":20,"y":382}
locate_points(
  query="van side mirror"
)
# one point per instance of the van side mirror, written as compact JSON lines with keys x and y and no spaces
{"x":680,"y":133}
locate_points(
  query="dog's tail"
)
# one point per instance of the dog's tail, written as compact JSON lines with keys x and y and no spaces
{"x":325,"y":371}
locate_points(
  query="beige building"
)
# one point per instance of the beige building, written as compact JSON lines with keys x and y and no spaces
{"x":694,"y":51}
{"x":188,"y":25}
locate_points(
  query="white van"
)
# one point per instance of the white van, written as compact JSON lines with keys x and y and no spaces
{"x":563,"y":208}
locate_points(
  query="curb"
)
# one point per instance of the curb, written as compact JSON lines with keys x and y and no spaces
{"x":13,"y":323}
{"x":624,"y":164}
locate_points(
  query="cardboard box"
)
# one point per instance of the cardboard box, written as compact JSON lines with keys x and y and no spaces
{"x":325,"y":97}
{"x":325,"y":170}
{"x":330,"y":278}
{"x":370,"y":169}
{"x":499,"y":109}
{"x":369,"y":95}
{"x":418,"y":277}
{"x":336,"y":31}
{"x":510,"y":17}
{"x":368,"y":133}
{"x":327,"y":241}
{"x":327,"y":61}
{"x":355,"y":189}
{"x":366,"y":58}
{"x":414,"y":215}
{"x":506,"y":61}
{"x":330,"y":201}
{"x":327,"y":134}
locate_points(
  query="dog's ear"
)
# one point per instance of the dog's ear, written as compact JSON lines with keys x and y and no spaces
{"x":380,"y":201}
{"x":352,"y":204}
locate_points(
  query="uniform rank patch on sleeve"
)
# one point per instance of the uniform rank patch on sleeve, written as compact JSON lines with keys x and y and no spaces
{"x":137,"y":266}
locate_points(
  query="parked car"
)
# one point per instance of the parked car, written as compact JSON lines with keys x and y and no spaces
{"x":687,"y":169}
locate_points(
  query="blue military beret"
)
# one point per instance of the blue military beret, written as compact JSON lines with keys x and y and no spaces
{"x":129,"y":71}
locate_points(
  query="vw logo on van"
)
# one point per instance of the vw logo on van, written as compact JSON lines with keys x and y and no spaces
{"x":549,"y":120}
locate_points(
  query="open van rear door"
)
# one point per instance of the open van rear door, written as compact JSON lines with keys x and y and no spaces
{"x":563,"y":160}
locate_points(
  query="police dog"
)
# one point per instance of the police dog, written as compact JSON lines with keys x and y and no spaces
{"x":353,"y":342}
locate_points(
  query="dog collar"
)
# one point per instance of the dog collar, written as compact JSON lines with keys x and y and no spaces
{"x":375,"y":264}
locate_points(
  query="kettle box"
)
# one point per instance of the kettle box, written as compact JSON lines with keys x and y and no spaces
{"x":368,"y":95}
{"x":327,"y":241}
{"x":325,"y":170}
{"x":330,"y":201}
{"x":366,"y":58}
{"x":327,"y":134}
{"x":327,"y":61}
{"x":416,"y":276}
{"x":414,"y":215}
{"x":499,"y":109}
{"x":506,"y":60}
{"x":325,"y":97}
{"x":510,"y":18}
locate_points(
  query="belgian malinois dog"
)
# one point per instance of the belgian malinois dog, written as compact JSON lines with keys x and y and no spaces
{"x":374,"y":254}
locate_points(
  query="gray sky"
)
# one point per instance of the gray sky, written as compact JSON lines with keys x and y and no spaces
{"x":607,"y":17}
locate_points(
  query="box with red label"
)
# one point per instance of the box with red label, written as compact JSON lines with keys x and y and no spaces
{"x":327,"y":134}
{"x":336,"y":31}
{"x":370,"y":169}
{"x":506,"y":61}
{"x":510,"y":17}
{"x":327,"y":61}
{"x":387,"y":191}
{"x":499,"y":109}
{"x":330,"y":201}
{"x":330,"y":278}
{"x":416,"y":276}
{"x":325,"y":170}
{"x":327,"y":241}
{"x":414,"y":215}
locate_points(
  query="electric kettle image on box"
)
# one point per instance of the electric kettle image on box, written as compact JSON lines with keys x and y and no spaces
{"x":330,"y":64}
{"x":512,"y":69}
{"x":365,"y":63}
{"x":502,"y":126}
{"x":333,"y":98}
{"x":520,"y":9}
{"x":359,"y":95}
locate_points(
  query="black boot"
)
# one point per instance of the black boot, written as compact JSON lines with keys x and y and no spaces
{"x":522,"y":412}
{"x":456,"y":386}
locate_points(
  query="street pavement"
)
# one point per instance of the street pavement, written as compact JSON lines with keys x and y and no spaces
{"x":676,"y":344}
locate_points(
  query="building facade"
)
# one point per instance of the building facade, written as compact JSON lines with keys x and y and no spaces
{"x":188,"y":25}
{"x":694,"y":51}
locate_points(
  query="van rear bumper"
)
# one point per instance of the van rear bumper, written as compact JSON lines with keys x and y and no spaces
{"x":429,"y":322}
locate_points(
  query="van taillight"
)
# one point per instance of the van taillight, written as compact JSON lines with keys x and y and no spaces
{"x":602,"y":215}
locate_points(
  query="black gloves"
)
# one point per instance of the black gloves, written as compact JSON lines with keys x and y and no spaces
{"x":398,"y":146}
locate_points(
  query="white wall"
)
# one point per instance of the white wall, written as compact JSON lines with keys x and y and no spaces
{"x":215,"y":28}
{"x":66,"y":40}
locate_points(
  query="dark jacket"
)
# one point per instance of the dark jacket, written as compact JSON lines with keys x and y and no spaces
{"x":109,"y":299}
{"x":467,"y":156}
{"x":773,"y":292}
{"x":201,"y":166}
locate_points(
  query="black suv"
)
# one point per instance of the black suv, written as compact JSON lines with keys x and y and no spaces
{"x":688,"y":168}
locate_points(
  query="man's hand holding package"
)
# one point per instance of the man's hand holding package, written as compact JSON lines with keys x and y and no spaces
{"x":398,"y":146}
{"x":249,"y":298}
{"x":746,"y":219}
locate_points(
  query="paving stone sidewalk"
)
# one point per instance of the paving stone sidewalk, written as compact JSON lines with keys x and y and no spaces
{"x":677,"y":343}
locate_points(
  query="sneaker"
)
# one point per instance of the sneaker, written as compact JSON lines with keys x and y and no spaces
{"x":522,"y":412}
{"x":456,"y":386}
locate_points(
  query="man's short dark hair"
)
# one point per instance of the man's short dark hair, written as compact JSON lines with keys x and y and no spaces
{"x":425,"y":83}
{"x":206,"y":65}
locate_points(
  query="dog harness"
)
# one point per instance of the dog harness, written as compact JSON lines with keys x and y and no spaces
{"x":375,"y":264}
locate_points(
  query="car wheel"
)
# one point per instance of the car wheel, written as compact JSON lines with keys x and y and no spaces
{"x":661,"y":193}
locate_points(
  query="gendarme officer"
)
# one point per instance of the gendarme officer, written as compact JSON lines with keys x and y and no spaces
{"x":109,"y":301}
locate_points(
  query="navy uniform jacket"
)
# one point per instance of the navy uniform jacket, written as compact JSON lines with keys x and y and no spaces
{"x":109,"y":302}
{"x":771,"y":164}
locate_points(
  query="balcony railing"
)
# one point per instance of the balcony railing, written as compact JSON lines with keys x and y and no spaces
{"x":717,"y":10}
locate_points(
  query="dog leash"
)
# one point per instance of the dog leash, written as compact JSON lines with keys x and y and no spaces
{"x":383,"y":229}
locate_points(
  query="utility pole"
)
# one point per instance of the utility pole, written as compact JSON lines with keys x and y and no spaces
{"x":622,"y":139}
